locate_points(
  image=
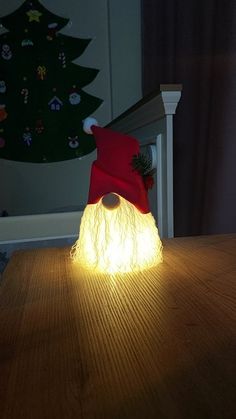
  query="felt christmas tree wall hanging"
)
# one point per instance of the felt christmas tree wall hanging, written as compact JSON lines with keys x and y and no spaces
{"x":42,"y":102}
{"x":118,"y":232}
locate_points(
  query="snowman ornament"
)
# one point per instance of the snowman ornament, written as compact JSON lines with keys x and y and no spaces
{"x":6,"y":52}
{"x":74,"y":98}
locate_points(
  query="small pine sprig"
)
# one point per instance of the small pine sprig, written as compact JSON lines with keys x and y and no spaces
{"x":143,"y":165}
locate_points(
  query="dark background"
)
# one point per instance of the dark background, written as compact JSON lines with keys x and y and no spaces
{"x":194,"y":43}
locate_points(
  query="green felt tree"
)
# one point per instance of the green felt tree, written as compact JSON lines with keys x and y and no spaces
{"x":42,"y":102}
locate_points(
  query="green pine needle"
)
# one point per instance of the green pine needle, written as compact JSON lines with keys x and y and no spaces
{"x":142,"y":164}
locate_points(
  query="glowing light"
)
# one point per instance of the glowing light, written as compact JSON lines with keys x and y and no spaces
{"x":117,"y":240}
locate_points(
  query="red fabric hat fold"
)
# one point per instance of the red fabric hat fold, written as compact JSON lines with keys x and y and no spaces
{"x":113,"y":171}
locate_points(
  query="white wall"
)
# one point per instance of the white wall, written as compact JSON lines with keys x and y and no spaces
{"x":125,"y":54}
{"x":114,"y":26}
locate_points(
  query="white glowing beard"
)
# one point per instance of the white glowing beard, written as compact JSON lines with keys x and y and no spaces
{"x":118,"y":240}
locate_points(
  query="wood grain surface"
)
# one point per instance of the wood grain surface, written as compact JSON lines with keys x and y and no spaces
{"x":160,"y":344}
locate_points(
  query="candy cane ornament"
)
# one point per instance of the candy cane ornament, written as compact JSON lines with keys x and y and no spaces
{"x":41,"y":71}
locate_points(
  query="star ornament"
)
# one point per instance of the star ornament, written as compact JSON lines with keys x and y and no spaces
{"x":34,"y":15}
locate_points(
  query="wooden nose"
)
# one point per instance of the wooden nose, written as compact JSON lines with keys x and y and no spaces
{"x":111,"y":201}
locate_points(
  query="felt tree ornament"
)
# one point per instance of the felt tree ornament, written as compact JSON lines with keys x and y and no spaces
{"x":118,"y":232}
{"x":41,"y":90}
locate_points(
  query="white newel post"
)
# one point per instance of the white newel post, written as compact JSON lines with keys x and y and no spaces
{"x":170,"y":101}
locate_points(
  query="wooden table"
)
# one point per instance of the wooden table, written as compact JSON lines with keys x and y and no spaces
{"x":159,"y":344}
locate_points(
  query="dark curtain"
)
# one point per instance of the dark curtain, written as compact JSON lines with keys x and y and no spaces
{"x":194,"y":43}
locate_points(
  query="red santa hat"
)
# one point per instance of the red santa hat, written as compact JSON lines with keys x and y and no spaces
{"x":113,"y":171}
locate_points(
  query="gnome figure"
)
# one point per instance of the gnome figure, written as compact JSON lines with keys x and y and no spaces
{"x":118,"y":233}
